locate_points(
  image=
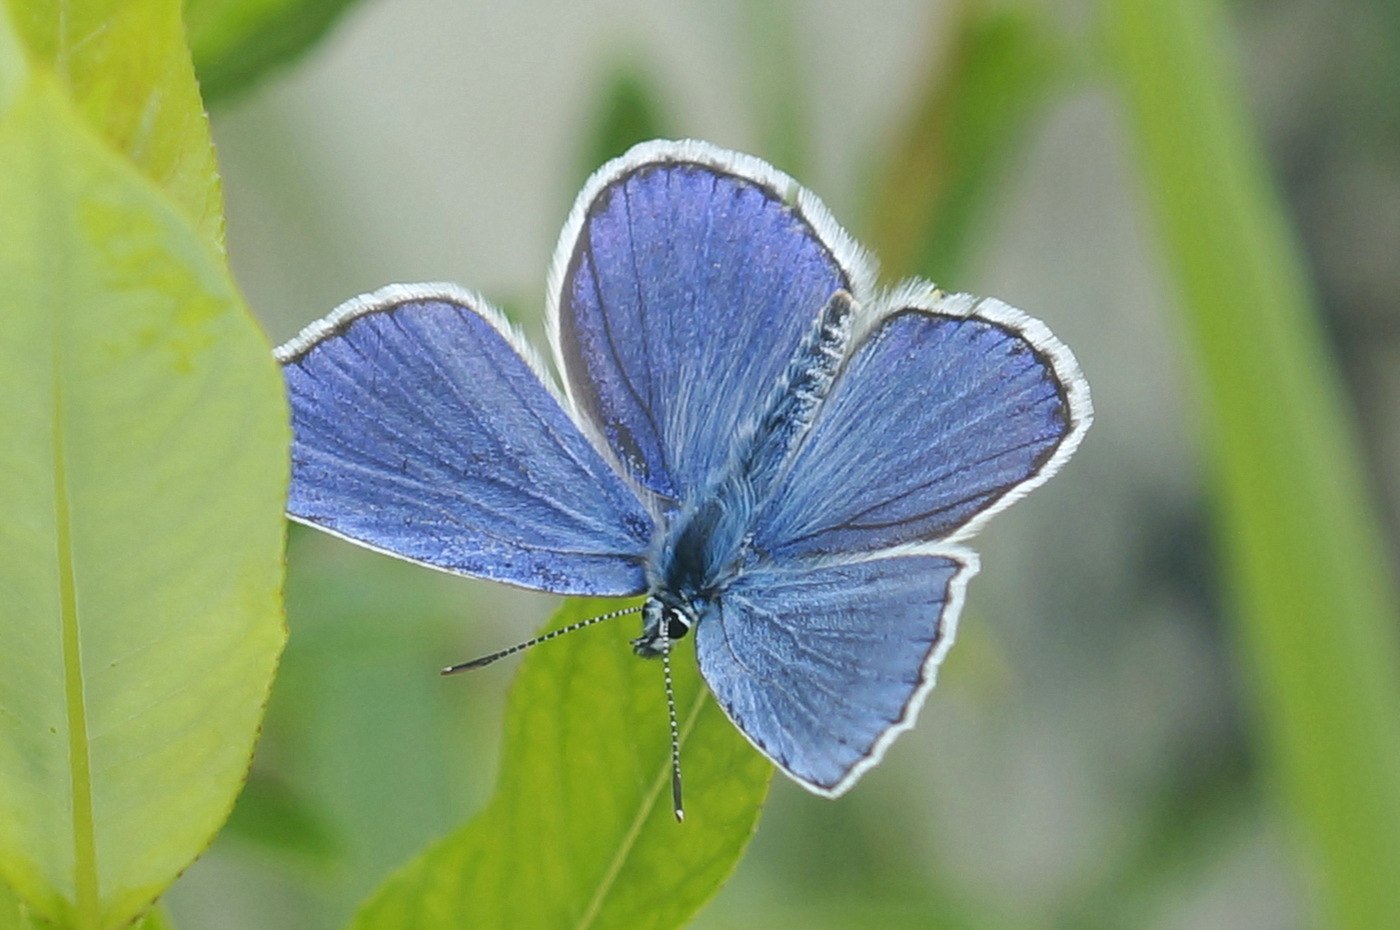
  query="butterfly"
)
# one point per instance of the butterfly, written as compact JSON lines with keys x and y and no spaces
{"x":783,"y":459}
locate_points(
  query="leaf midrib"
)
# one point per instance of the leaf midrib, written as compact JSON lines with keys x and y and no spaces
{"x":595,"y":906}
{"x":80,"y":762}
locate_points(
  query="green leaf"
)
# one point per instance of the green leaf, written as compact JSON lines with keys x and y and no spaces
{"x":15,"y":916}
{"x":125,"y":65}
{"x":142,"y":476}
{"x":12,"y":911}
{"x":973,"y":115}
{"x":156,"y":919}
{"x":237,"y":42}
{"x":1315,"y":608}
{"x":579,"y":832}
{"x":14,"y":70}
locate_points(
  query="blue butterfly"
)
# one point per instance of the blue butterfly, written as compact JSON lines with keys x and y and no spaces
{"x":780,"y":457}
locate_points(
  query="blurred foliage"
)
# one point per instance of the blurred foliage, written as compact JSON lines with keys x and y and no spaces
{"x":978,"y":101}
{"x":277,"y":818}
{"x":236,"y":43}
{"x":779,"y":99}
{"x":1302,"y":547}
{"x":143,"y":473}
{"x":630,"y":111}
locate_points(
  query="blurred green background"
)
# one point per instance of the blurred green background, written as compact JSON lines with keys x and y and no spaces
{"x":1121,"y":737}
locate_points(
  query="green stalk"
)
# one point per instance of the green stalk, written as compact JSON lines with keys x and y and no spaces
{"x":1305,"y":563}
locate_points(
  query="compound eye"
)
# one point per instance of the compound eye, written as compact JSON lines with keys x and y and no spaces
{"x":676,"y":624}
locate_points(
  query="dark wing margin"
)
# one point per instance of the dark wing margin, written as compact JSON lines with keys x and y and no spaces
{"x":822,"y":667}
{"x":684,"y":280}
{"x":948,"y":409}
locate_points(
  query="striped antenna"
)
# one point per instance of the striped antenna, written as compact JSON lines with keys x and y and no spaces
{"x":521,"y":647}
{"x":675,"y":730}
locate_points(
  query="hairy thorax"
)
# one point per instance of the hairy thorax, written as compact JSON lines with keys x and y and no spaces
{"x":707,"y":543}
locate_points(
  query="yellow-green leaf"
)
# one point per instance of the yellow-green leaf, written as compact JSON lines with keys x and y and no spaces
{"x":13,"y":69}
{"x":580,"y":833}
{"x":142,"y":475}
{"x":15,"y":916}
{"x":125,"y":65}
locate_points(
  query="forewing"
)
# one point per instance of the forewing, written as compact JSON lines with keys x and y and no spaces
{"x":421,"y":428}
{"x":684,"y":280}
{"x":821,"y":667}
{"x":944,"y":413}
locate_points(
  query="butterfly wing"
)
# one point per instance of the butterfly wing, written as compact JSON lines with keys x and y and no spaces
{"x":947,"y":410}
{"x":685,"y":278}
{"x":821,"y":667}
{"x":422,"y":428}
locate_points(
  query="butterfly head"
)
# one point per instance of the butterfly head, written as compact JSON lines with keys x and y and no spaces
{"x":664,"y":617}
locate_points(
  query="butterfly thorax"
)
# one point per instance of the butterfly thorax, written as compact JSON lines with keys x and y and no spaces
{"x":707,"y":543}
{"x":698,"y":555}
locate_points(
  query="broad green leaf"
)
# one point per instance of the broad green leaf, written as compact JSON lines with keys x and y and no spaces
{"x":237,"y":42}
{"x":1315,"y":608}
{"x":579,"y":832}
{"x":12,"y":911}
{"x":125,"y":64}
{"x":14,"y":71}
{"x":142,"y":475}
{"x":963,"y":135}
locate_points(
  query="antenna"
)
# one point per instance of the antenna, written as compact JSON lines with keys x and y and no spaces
{"x":675,"y":730}
{"x":521,"y":647}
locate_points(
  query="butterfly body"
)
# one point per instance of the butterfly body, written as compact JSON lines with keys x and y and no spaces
{"x":698,"y":555}
{"x":708,"y":543}
{"x":784,"y":460}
